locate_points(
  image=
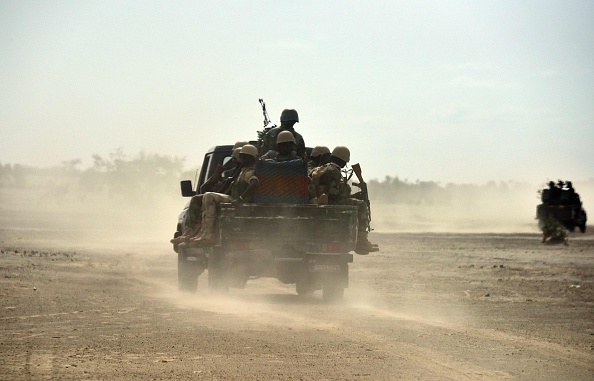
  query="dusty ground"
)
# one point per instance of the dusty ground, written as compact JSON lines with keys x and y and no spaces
{"x":429,"y":306}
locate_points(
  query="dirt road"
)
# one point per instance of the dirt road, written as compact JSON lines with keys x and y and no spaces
{"x":427,"y":307}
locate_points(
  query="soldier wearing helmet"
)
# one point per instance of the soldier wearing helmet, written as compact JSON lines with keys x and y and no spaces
{"x":319,"y":155}
{"x":235,"y":161}
{"x":218,"y":182}
{"x":329,"y":183}
{"x":242,"y":190}
{"x":288,"y":119}
{"x":193,"y":221}
{"x":230,"y":168}
{"x":285,"y":148}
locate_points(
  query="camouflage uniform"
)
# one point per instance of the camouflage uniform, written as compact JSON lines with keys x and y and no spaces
{"x":311,"y":166}
{"x":193,"y":223}
{"x":319,"y":156}
{"x":276,"y":156}
{"x":194,"y":211}
{"x":269,"y":142}
{"x":211,"y":200}
{"x":328,"y":180}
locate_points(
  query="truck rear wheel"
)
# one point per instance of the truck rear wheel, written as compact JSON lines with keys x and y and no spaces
{"x":332,"y":293}
{"x":176,"y":245}
{"x":217,"y":274}
{"x":303,"y":288}
{"x":187,"y":274}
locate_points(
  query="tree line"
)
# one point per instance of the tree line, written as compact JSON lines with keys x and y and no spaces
{"x":117,"y":176}
{"x":146,"y":177}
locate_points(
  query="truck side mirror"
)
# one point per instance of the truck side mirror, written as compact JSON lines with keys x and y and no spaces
{"x":186,"y":188}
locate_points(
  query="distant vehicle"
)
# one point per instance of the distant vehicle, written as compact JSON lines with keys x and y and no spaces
{"x":561,"y":202}
{"x":279,"y":236}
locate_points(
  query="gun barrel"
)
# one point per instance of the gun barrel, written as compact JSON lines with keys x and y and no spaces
{"x":358,"y":173}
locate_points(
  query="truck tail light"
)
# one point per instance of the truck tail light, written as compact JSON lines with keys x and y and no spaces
{"x":335,"y":247}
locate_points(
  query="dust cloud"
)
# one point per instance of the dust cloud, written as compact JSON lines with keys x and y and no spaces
{"x":112,"y":216}
{"x":474,"y":216}
{"x":86,"y":220}
{"x":481,"y":210}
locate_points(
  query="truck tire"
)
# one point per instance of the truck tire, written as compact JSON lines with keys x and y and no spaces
{"x":303,"y":288}
{"x":187,"y":274}
{"x":176,"y":245}
{"x":217,"y":274}
{"x":332,"y":293}
{"x":304,"y":284}
{"x":333,"y":286}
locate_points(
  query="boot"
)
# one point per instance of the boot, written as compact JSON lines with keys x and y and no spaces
{"x":206,"y":236}
{"x":202,"y":241}
{"x":323,"y":199}
{"x":363,"y":246}
{"x":188,"y":233}
{"x":188,"y":238}
{"x":181,"y":238}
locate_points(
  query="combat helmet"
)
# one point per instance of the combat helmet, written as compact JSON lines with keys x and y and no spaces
{"x":249,"y":149}
{"x":239,"y":144}
{"x":289,"y":115}
{"x":235,"y":154}
{"x":285,"y":137}
{"x":342,"y":153}
{"x":319,"y":150}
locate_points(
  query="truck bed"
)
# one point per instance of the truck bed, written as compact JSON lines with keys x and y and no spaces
{"x":308,"y":228}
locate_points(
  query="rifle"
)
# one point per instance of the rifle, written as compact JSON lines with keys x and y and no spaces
{"x":364,"y":194}
{"x":267,"y":122}
{"x":228,"y":181}
{"x":267,"y":125}
{"x":212,"y":180}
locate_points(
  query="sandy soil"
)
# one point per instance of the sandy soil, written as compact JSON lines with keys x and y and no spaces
{"x":429,"y":306}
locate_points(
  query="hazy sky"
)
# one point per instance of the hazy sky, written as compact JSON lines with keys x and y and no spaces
{"x":450,"y":91}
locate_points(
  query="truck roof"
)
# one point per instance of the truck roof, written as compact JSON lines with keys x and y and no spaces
{"x":229,"y":147}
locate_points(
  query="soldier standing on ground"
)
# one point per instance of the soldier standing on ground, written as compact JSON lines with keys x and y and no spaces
{"x":328,"y":182}
{"x":288,"y":119}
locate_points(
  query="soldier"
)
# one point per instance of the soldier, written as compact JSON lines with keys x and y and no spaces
{"x":242,"y":190}
{"x":285,"y":148}
{"x":231,"y":167}
{"x":328,"y":182}
{"x":319,"y":155}
{"x":288,"y":119}
{"x":574,"y":197}
{"x":219,"y":182}
{"x":193,"y":221}
{"x":554,"y":193}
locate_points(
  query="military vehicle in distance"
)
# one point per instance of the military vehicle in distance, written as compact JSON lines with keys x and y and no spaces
{"x":561,"y":202}
{"x":281,"y":235}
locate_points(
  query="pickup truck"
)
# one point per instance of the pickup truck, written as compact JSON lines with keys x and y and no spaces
{"x":280,"y":235}
{"x":562,"y":203}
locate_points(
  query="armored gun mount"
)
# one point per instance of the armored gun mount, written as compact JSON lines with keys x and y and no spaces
{"x":561,"y":202}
